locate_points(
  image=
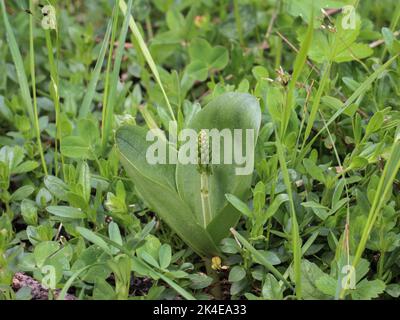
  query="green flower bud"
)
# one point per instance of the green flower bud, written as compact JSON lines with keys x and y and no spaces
{"x":204,"y":152}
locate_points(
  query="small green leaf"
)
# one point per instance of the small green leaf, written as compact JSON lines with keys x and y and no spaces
{"x":57,"y":187}
{"x":236,"y":274}
{"x":314,"y":171}
{"x":75,"y":147}
{"x":199,"y":281}
{"x":358,"y":163}
{"x":367,"y":290}
{"x":165,"y":256}
{"x":375,"y":123}
{"x":66,"y":212}
{"x":94,"y":238}
{"x":22,"y":193}
{"x":197,"y":70}
{"x":43,"y":250}
{"x":239,"y":205}
{"x":149,"y":259}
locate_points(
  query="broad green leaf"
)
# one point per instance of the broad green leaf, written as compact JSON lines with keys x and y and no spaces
{"x":149,"y":259}
{"x":226,"y":112}
{"x":155,"y":184}
{"x":358,"y":163}
{"x":66,"y":212}
{"x":327,"y":285}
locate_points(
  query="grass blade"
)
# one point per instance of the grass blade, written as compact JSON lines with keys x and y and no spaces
{"x":33,"y":81}
{"x":299,"y":63}
{"x":238,"y":21}
{"x":87,"y":100}
{"x":109,"y":62}
{"x":296,"y":240}
{"x":316,"y":102}
{"x":19,"y":65}
{"x":146,"y":54}
{"x":108,"y":108}
{"x":54,"y":92}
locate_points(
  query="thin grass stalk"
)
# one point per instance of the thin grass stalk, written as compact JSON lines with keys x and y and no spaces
{"x":238,"y":22}
{"x":56,"y":98}
{"x":33,"y":82}
{"x":346,"y":231}
{"x":356,"y":94}
{"x":19,"y":66}
{"x":108,"y":71}
{"x":296,"y":240}
{"x":316,"y":102}
{"x":87,"y":100}
{"x":109,"y":108}
{"x":146,"y":53}
{"x":299,"y":64}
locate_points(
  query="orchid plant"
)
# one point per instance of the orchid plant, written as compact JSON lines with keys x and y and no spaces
{"x":190,"y":198}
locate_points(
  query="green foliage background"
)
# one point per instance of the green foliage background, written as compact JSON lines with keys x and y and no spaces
{"x":324,"y":195}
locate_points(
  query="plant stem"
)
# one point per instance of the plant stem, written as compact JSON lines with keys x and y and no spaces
{"x":216,"y":290}
{"x":205,"y":199}
{"x":238,"y":22}
{"x":381,"y":264}
{"x":107,"y":80}
{"x":56,"y":98}
{"x":149,"y":28}
{"x":33,"y":79}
